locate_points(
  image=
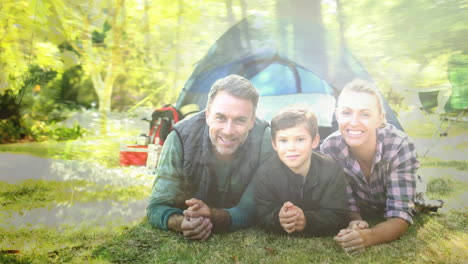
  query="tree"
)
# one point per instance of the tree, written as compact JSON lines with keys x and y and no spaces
{"x":405,"y":44}
{"x":300,"y":12}
{"x":21,"y":44}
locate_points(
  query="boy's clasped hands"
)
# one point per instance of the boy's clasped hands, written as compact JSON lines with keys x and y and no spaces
{"x":292,"y":218}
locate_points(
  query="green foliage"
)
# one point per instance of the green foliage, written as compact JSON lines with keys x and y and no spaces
{"x":10,"y":130}
{"x":67,"y":133}
{"x":440,"y":186}
{"x":42,"y":102}
{"x":30,"y":129}
{"x":405,"y":45}
{"x":433,"y":162}
{"x":73,"y":90}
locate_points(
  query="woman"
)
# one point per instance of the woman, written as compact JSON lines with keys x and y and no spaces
{"x":380,"y":163}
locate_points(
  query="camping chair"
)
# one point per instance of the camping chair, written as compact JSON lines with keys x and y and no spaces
{"x":436,"y":101}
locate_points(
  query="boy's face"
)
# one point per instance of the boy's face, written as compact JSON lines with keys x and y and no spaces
{"x":294,"y":147}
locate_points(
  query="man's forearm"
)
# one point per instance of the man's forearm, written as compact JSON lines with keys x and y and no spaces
{"x":174,"y":222}
{"x":221,"y":220}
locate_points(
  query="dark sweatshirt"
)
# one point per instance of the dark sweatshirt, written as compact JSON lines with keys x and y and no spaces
{"x":322,"y":197}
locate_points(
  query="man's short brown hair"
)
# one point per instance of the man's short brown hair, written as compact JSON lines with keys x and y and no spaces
{"x":234,"y":85}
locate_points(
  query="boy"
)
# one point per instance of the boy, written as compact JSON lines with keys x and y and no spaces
{"x":299,"y":190}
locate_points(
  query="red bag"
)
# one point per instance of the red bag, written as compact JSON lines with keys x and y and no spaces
{"x":162,"y":122}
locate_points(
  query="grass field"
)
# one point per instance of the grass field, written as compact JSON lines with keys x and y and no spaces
{"x":90,"y":220}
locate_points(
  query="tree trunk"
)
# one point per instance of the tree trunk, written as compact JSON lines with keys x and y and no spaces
{"x":177,"y":50}
{"x":341,"y":23}
{"x":243,"y":5}
{"x":230,"y":17}
{"x":147,"y":32}
{"x":104,"y":87}
{"x":300,"y":13}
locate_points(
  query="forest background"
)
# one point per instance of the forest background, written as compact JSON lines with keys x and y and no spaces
{"x":64,"y":55}
{"x":105,"y":59}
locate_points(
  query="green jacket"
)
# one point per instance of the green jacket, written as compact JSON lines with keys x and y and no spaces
{"x":322,"y":196}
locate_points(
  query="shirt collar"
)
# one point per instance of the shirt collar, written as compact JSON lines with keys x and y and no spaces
{"x":380,"y":143}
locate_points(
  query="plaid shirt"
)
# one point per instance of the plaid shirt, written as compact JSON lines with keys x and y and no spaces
{"x":392,"y":183}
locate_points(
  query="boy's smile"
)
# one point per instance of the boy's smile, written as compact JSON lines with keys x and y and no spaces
{"x":294,"y":147}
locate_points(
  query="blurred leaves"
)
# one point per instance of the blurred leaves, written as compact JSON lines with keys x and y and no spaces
{"x":126,"y":49}
{"x":406,"y":44}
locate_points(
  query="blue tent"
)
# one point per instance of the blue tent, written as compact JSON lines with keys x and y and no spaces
{"x":288,"y":61}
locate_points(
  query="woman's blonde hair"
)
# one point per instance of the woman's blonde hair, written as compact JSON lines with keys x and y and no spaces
{"x":361,"y":86}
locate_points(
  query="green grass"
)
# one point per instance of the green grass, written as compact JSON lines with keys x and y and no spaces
{"x":42,"y":245}
{"x":439,"y":238}
{"x":32,"y":194}
{"x":429,"y":162}
{"x":431,"y":126}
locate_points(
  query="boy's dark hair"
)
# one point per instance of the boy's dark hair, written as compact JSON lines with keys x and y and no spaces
{"x":293,"y":116}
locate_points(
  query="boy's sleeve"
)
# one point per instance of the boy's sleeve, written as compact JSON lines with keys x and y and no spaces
{"x":331,"y":216}
{"x":268,"y":207}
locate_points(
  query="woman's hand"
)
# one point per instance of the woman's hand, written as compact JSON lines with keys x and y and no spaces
{"x":358,"y":224}
{"x":351,"y":240}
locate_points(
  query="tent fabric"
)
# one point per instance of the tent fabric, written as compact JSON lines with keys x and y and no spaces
{"x":307,"y":68}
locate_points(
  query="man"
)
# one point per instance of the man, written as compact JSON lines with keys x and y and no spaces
{"x":207,"y":164}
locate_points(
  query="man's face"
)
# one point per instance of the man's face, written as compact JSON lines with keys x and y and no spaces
{"x":229,"y":119}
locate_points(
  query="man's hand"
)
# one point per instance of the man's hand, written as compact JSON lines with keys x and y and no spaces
{"x":291,"y":218}
{"x":197,"y":208}
{"x":351,"y":240}
{"x":192,"y":228}
{"x":220,"y":219}
{"x":358,"y":224}
{"x":196,"y":228}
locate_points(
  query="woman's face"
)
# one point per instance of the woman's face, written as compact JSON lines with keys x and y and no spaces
{"x":358,"y":116}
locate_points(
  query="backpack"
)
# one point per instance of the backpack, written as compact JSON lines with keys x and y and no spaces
{"x":162,"y":122}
